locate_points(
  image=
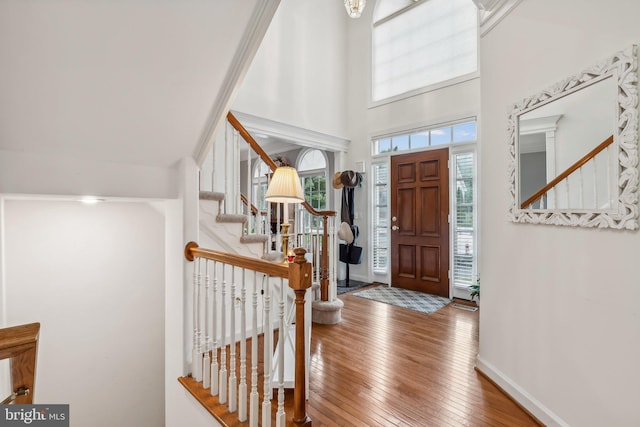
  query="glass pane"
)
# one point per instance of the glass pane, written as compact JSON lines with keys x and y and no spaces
{"x":400,"y":143}
{"x":311,"y":160}
{"x":420,"y":140}
{"x":381,"y":218}
{"x":464,"y":132}
{"x":464,"y":216}
{"x":383,"y":145}
{"x":381,"y":196}
{"x":380,"y":174}
{"x":441,"y":136}
{"x":314,"y":191}
{"x":380,"y":221}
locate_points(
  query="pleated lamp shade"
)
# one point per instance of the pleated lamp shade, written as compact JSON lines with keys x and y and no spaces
{"x":285,"y":186}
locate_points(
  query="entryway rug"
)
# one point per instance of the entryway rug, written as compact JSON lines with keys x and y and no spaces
{"x":405,"y":298}
{"x":353,"y":285}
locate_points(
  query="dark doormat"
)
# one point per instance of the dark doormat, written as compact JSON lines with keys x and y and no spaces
{"x":353,"y":285}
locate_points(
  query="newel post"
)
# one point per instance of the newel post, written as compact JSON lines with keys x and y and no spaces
{"x":300,"y":281}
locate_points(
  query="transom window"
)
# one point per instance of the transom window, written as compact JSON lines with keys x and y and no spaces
{"x":422,"y":43}
{"x":424,"y":138}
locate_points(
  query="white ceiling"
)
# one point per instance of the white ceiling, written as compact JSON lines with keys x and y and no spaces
{"x":114,"y":80}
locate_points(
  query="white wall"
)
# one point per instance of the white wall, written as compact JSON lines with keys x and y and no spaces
{"x":559,"y":323}
{"x":181,"y":227}
{"x":298,"y":74}
{"x":431,"y":108}
{"x":93,"y":276}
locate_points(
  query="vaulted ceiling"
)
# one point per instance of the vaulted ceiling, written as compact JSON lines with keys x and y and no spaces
{"x":135,"y":82}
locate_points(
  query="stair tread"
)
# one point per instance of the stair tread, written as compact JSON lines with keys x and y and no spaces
{"x":254,"y":238}
{"x":211,"y":195}
{"x":236,"y":218}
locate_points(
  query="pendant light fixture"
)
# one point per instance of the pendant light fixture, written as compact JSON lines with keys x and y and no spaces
{"x":354,"y":7}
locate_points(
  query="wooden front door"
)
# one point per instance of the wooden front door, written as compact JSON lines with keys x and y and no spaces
{"x":419,"y":221}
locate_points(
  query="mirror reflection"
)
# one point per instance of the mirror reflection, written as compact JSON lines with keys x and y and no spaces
{"x":565,"y":151}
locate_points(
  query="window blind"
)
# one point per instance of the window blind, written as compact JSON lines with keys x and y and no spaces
{"x":429,"y":43}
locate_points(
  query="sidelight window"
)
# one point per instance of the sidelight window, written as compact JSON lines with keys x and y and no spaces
{"x":464,"y":226}
{"x":380,"y":217}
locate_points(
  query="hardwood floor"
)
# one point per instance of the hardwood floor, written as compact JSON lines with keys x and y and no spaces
{"x":388,"y":366}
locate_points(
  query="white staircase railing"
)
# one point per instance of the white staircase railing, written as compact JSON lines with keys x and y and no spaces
{"x":237,"y":174}
{"x":237,"y":300}
{"x":586,"y":184}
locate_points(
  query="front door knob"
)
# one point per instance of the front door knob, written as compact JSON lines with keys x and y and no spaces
{"x":395,"y":227}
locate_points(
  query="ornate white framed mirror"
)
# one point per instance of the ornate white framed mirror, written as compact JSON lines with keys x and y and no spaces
{"x":573,"y":149}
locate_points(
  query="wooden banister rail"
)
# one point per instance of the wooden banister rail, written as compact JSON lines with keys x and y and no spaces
{"x":191,"y":251}
{"x":571,"y":169}
{"x":20,"y":345}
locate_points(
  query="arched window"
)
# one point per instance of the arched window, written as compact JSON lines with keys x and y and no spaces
{"x":259,"y":184}
{"x":312,"y":169}
{"x":422,"y":43}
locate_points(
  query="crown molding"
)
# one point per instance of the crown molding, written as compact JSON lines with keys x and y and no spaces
{"x":489,"y":18}
{"x":291,"y":134}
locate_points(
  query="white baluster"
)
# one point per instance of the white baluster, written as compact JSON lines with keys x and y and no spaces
{"x":268,"y":354}
{"x":254,"y":397}
{"x":609,"y":156}
{"x":282,"y":338}
{"x":206,"y":361}
{"x":236,"y":166}
{"x":333,"y":260}
{"x":268,"y":205}
{"x":226,"y":166}
{"x":596,"y":199}
{"x":242,"y":389}
{"x":222,"y":380}
{"x":196,"y":356}
{"x":214,"y":331}
{"x":251,"y":223}
{"x":213,"y":167}
{"x":581,"y":193}
{"x":233,"y":380}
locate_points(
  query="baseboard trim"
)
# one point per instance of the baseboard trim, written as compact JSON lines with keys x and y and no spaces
{"x":540,"y":413}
